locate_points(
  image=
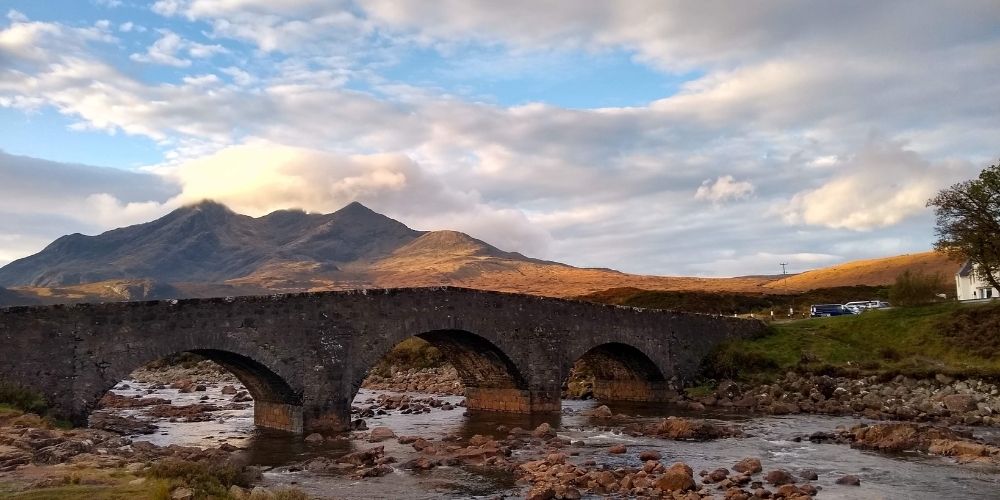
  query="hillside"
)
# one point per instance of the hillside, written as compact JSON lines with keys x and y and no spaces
{"x":871,"y":272}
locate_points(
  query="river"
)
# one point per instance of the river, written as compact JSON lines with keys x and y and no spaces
{"x":770,"y":438}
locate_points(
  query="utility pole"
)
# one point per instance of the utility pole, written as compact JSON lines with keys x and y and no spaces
{"x":784,"y":274}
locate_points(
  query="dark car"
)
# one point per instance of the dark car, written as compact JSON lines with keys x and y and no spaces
{"x":823,"y":310}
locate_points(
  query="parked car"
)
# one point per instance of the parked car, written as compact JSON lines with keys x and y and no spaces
{"x":859,"y":306}
{"x":823,"y":310}
{"x":878,"y":304}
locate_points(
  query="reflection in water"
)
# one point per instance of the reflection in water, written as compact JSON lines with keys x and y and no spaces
{"x":768,"y":437}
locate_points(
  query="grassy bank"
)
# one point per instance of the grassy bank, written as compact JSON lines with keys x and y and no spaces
{"x":953,"y":339}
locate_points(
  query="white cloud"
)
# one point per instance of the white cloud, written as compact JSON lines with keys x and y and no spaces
{"x":259,"y":177}
{"x":239,"y":76}
{"x":108,"y":211}
{"x":168,"y":48}
{"x":880,"y":186}
{"x":129,"y":26}
{"x":725,"y":188}
{"x":164,"y":51}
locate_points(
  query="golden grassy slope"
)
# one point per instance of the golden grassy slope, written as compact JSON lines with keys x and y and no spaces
{"x":882,"y":271}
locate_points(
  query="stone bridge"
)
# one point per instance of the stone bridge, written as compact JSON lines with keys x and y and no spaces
{"x":304,"y":356}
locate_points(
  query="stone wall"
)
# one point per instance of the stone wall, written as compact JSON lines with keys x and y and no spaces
{"x":312,"y":351}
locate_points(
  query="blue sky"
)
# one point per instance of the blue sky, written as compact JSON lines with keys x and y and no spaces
{"x":653,"y":137}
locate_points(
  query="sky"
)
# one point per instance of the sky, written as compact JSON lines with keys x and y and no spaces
{"x":656,"y":137}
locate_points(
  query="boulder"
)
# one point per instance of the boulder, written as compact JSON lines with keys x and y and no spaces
{"x":364,"y":457}
{"x":601,"y":412}
{"x":675,"y":480}
{"x":779,"y":477}
{"x":748,"y":465}
{"x":959,"y":402}
{"x":717,"y":475}
{"x":121,"y":425}
{"x":689,"y":429}
{"x":544,"y":431}
{"x":182,"y":494}
{"x":379,"y":434}
{"x":849,"y":480}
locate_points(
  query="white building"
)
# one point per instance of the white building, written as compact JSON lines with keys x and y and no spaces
{"x":972,"y":288}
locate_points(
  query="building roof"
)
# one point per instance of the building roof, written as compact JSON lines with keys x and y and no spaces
{"x":966,"y":269}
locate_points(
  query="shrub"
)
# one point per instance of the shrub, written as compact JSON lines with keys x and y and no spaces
{"x":182,"y":359}
{"x":411,"y":353}
{"x":22,"y":398}
{"x":729,"y":361}
{"x":915,"y":288}
{"x":889,"y":354}
{"x":974,"y":329}
{"x":207,"y":478}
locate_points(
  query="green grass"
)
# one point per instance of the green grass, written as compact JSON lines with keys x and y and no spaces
{"x":914,"y":341}
{"x":151,"y":490}
{"x":13,"y":395}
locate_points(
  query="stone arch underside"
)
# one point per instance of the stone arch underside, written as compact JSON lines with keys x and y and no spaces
{"x":479,"y":363}
{"x":624,"y":373}
{"x":492,"y":381}
{"x":276,"y":404}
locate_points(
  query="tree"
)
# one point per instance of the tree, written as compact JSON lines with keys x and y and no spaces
{"x":968,"y":222}
{"x":915,"y":288}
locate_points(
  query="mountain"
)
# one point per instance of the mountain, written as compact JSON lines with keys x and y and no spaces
{"x":207,"y":250}
{"x":208,"y":242}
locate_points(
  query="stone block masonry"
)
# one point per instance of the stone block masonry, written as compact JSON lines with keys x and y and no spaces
{"x":304,"y":356}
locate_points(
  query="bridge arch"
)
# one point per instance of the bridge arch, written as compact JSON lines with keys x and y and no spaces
{"x":277,"y":404}
{"x":622,"y":372}
{"x":492,"y":380}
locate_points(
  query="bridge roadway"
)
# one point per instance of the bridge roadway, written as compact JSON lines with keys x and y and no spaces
{"x":304,"y":356}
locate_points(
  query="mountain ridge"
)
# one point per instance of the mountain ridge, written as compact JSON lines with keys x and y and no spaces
{"x":206,"y":249}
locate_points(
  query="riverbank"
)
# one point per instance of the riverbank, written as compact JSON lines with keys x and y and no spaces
{"x":942,"y":399}
{"x":952,"y":339}
{"x":39,"y":460}
{"x":425,"y":446}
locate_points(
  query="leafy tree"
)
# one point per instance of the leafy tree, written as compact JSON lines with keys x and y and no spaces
{"x":968,"y":222}
{"x":915,"y":288}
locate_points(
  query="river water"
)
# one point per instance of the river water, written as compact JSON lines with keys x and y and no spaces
{"x":770,"y":438}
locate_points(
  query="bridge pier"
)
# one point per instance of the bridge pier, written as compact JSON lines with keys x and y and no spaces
{"x":278,"y":416}
{"x":512,"y":400}
{"x":327,"y":419}
{"x":633,"y":390}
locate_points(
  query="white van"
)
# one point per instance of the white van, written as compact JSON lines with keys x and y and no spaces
{"x":859,"y":306}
